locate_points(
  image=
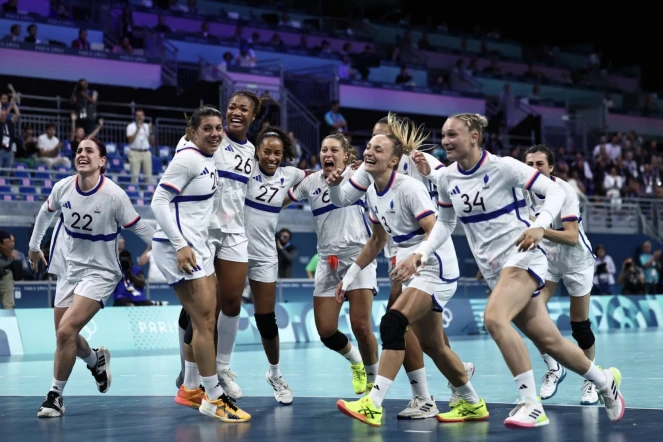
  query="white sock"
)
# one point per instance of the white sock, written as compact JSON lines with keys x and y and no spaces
{"x":91,"y":360}
{"x":371,"y":372}
{"x":596,"y":377}
{"x":468,"y":393}
{"x":353,"y":355}
{"x":58,"y":386}
{"x":418,"y":383}
{"x":551,"y":363}
{"x":379,"y":390}
{"x":227,"y":332}
{"x":213,"y":389}
{"x":191,"y":375}
{"x":274,"y":371}
{"x":182,"y":344}
{"x":527,"y":387}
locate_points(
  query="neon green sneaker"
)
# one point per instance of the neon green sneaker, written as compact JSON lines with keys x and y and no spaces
{"x":464,"y":411}
{"x":358,"y":378}
{"x":369,"y":387}
{"x":363,"y":410}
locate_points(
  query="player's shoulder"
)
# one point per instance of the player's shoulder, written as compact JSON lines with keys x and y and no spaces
{"x":65,"y":183}
{"x":568,"y":190}
{"x":402,"y":181}
{"x":244,"y":147}
{"x":110,"y":187}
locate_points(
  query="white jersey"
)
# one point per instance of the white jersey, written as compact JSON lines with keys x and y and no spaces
{"x":56,"y":259}
{"x":180,"y":144}
{"x":92,"y":221}
{"x":341,"y":231}
{"x":398,"y":208}
{"x":192,"y":177}
{"x":490,"y":204}
{"x":563,"y":259}
{"x":263,"y":202}
{"x":362,"y":180}
{"x":235,"y":164}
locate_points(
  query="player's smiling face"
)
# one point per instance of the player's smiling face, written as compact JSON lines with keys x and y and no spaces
{"x":208,"y":135}
{"x":457,"y":139}
{"x":239,"y":116}
{"x":88,"y":159}
{"x":332,"y":155}
{"x":270,"y":154}
{"x":539,"y":161}
{"x":379,"y":154}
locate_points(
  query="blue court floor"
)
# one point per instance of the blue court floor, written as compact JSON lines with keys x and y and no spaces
{"x":139,"y":406}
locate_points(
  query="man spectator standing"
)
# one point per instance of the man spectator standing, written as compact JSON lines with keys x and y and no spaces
{"x":84,"y":100}
{"x":140,"y":139}
{"x":334,"y":118}
{"x":8,"y":129}
{"x":287,"y":253}
{"x":7,"y":257}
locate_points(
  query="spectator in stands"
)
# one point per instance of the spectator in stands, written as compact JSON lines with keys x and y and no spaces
{"x":366,"y":60}
{"x":296,"y":147}
{"x":11,"y":6}
{"x":127,"y":23}
{"x":287,"y":253}
{"x":303,"y":44}
{"x":62,"y":12}
{"x":651,"y":264}
{"x":81,"y":42}
{"x":276,"y":41}
{"x":312,"y":266}
{"x":10,"y":105}
{"x":154,"y":275}
{"x":334,"y":118}
{"x":8,"y":128}
{"x":424,"y":44}
{"x":26,"y":148}
{"x":78,"y":132}
{"x":204,"y":30}
{"x":604,"y":271}
{"x":161,"y":27}
{"x":245,"y":56}
{"x":130,"y":291}
{"x":632,"y":278}
{"x":124,"y":47}
{"x":613,"y":184}
{"x":32,"y":35}
{"x":84,"y":100}
{"x":649,"y":179}
{"x":7,"y":257}
{"x":14,"y":34}
{"x":120,"y":244}
{"x":141,"y":140}
{"x":49,"y":149}
{"x":313,"y":163}
{"x":404,"y":78}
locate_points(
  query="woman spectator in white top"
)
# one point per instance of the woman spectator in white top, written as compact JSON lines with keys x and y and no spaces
{"x":184,"y":207}
{"x":93,"y":211}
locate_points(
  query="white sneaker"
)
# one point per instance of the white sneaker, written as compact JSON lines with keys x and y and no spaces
{"x":282,"y":392}
{"x":419,"y":408}
{"x":53,"y":406}
{"x":101,"y":370}
{"x":551,"y":381}
{"x":455,"y":396}
{"x":611,"y":396}
{"x":229,"y":386}
{"x":589,"y":394}
{"x":526,"y":415}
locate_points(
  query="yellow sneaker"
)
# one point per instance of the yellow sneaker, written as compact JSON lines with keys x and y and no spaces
{"x":189,"y":398}
{"x":358,"y":378}
{"x":224,"y":409}
{"x":363,"y":410}
{"x":464,"y":411}
{"x":369,"y":387}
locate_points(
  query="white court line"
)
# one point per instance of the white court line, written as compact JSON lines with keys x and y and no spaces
{"x":128,"y":375}
{"x":162,"y":375}
{"x":416,"y":431}
{"x":29,"y":376}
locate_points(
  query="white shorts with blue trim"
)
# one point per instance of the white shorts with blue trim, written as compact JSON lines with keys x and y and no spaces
{"x":326,"y":279}
{"x":229,"y":246}
{"x":534,"y":262}
{"x":165,"y":257}
{"x":95,"y":287}
{"x":578,"y":284}
{"x":264,"y":270}
{"x":432,"y":281}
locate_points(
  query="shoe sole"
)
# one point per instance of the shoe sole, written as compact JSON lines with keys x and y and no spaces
{"x":360,"y":417}
{"x":107,"y":356}
{"x":589,"y":403}
{"x":207,"y":412}
{"x":556,"y":387}
{"x":429,"y":415}
{"x":465,"y":419}
{"x":50,"y":416}
{"x":187,"y":403}
{"x":516,"y":426}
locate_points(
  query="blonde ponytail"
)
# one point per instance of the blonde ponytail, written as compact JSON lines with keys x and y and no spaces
{"x":407,"y":137}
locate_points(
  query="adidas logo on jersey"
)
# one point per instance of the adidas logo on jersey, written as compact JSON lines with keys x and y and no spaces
{"x":318,"y":191}
{"x":455,"y":191}
{"x":67,"y":205}
{"x":204,"y":172}
{"x":230,"y":149}
{"x":258,"y":178}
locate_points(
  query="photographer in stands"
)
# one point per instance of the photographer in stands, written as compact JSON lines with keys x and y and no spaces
{"x":84,"y":100}
{"x":632,"y":278}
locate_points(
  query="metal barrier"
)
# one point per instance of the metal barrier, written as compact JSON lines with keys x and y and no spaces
{"x":571,"y":134}
{"x":169,"y":131}
{"x":314,"y":86}
{"x":300,"y":120}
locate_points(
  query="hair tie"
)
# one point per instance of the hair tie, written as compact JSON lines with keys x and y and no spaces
{"x":271,"y":134}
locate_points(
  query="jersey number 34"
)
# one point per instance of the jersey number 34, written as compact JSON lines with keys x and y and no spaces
{"x":478,"y":201}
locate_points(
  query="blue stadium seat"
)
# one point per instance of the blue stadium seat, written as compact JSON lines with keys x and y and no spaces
{"x":147,"y":195}
{"x":111,"y":150}
{"x":5,"y":189}
{"x":27,"y":190}
{"x":46,"y":190}
{"x":125,"y":150}
{"x":133,"y":194}
{"x":21,"y":171}
{"x":115,"y":163}
{"x":42,"y":172}
{"x":157,"y":166}
{"x":164,"y":153}
{"x":8,"y":197}
{"x":62,"y":173}
{"x":123,"y":179}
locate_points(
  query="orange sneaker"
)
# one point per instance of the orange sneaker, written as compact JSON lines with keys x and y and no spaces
{"x":189,"y":398}
{"x":224,"y":409}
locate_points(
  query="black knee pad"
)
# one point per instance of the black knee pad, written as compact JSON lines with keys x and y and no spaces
{"x":336,"y":342}
{"x":184,"y":319}
{"x":393,"y":327}
{"x":582,"y":333}
{"x":188,"y":335}
{"x":267,"y":325}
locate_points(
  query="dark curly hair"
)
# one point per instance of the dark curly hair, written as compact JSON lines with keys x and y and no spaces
{"x":277,"y":132}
